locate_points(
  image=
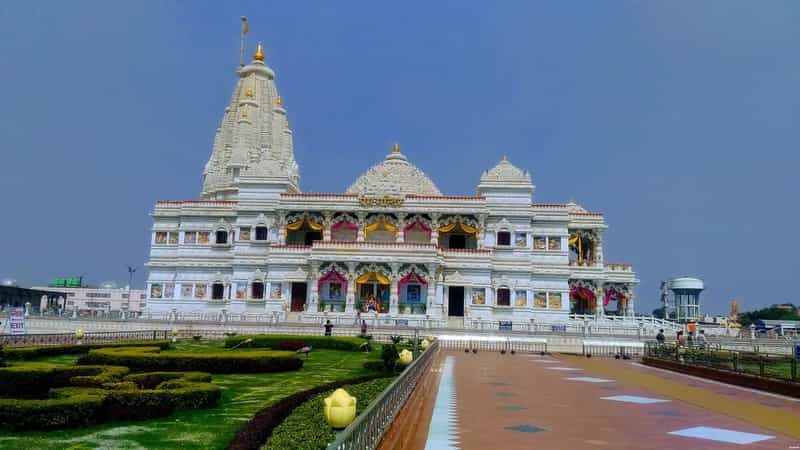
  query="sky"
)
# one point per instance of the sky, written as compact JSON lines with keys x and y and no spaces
{"x":677,"y":119}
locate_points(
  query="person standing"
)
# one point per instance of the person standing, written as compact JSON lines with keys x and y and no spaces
{"x":363,"y":328}
{"x":681,"y":339}
{"x":328,"y":328}
{"x":701,"y":339}
{"x":660,"y":337}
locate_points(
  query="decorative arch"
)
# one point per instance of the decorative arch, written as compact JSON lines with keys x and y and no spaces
{"x":297,"y":221}
{"x":332,"y":284}
{"x":582,"y":296}
{"x":381,"y":227}
{"x":417,"y":229}
{"x":458,"y":223}
{"x":344,"y":228}
{"x":582,"y":245}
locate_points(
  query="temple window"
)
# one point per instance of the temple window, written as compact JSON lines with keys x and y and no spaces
{"x":222,"y":237}
{"x":200,"y":291}
{"x":161,"y":237}
{"x":457,"y":241}
{"x":156,"y":290}
{"x":217,"y":291}
{"x":417,"y":232}
{"x":540,"y":300}
{"x":520,"y":240}
{"x":303,"y":232}
{"x":521,"y":299}
{"x":539,"y":243}
{"x":262,"y":233}
{"x":244,"y":233}
{"x":458,"y":236}
{"x":241,"y":291}
{"x":203,"y":237}
{"x":257,"y":290}
{"x":555,"y":300}
{"x":344,"y":230}
{"x":332,"y":287}
{"x":169,"y":290}
{"x":380,"y":231}
{"x":503,"y":297}
{"x":554,"y":243}
{"x":478,"y":296}
{"x":503,"y":238}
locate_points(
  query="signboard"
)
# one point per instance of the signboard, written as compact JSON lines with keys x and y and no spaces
{"x":505,"y":325}
{"x":16,"y":320}
{"x":558,"y":328}
{"x":67,"y":282}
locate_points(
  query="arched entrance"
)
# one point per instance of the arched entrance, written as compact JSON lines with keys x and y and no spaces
{"x":373,"y":291}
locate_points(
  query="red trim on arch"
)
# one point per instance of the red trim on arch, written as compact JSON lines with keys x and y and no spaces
{"x":413,"y":276}
{"x":417,"y":225}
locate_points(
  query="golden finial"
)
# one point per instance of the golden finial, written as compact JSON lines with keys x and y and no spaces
{"x":279,"y":101}
{"x":249,"y":92}
{"x":396,"y":148}
{"x":259,"y":55}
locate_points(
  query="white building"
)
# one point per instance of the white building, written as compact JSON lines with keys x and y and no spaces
{"x":105,"y":301}
{"x":255,"y":244}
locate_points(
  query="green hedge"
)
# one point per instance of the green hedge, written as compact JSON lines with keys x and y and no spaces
{"x":306,"y":429}
{"x":150,"y":359}
{"x":119,"y":400}
{"x":36,"y":379}
{"x":72,"y":349}
{"x":271,"y":340}
{"x":149,"y":380}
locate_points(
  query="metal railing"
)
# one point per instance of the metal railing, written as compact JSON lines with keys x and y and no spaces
{"x":762,"y":364}
{"x":366,"y":432}
{"x":452,"y":342}
{"x":102,"y":337}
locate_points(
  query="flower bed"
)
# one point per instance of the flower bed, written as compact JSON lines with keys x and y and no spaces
{"x":271,"y":340}
{"x":52,"y":396}
{"x":151,"y":359}
{"x":72,"y":349}
{"x":306,"y":429}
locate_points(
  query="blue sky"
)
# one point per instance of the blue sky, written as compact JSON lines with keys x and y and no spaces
{"x":675,"y":118}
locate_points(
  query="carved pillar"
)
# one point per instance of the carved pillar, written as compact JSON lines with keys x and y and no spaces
{"x":600,"y":294}
{"x":440,"y":293}
{"x":629,"y":306}
{"x":314,"y":288}
{"x":362,"y":223}
{"x":598,"y":250}
{"x":401,"y":223}
{"x":481,"y":230}
{"x":351,"y":287}
{"x":281,"y":224}
{"x":327,"y":222}
{"x":435,"y":228}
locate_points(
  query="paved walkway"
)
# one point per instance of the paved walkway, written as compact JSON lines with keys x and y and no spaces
{"x":522,"y":401}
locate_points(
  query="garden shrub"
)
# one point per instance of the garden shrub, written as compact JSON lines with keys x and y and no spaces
{"x":109,"y":374}
{"x":149,"y":380}
{"x":150,"y":359}
{"x":306,"y":429}
{"x":36,"y":379}
{"x":291,"y":346}
{"x":119,"y":400}
{"x":71,"y":349}
{"x":270,"y":340}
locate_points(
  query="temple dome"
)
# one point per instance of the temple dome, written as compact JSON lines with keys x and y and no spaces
{"x":505,"y":172}
{"x":395,"y":176}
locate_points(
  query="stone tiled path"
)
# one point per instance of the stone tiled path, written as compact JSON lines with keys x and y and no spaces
{"x":519,"y":402}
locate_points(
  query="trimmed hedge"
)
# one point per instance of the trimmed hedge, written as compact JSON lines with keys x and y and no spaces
{"x":347,"y":343}
{"x":150,"y":380}
{"x":150,"y":359}
{"x":258,"y":429}
{"x":118,"y":400}
{"x":306,"y":429}
{"x":291,"y":346}
{"x":33,"y":380}
{"x":72,"y":349}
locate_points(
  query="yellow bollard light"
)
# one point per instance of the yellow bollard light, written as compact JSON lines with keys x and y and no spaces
{"x":340,"y":409}
{"x":405,"y":358}
{"x":79,"y":333}
{"x":424,"y":344}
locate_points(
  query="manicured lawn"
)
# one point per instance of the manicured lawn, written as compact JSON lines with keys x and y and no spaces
{"x":213,"y":428}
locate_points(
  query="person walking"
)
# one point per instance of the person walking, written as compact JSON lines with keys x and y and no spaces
{"x":363,"y":328}
{"x":681,"y":339}
{"x":660,"y":337}
{"x":328,"y":327}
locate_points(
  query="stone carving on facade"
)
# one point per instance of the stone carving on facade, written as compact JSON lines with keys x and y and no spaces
{"x":504,"y":171}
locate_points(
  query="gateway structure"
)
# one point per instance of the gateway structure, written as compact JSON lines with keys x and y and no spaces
{"x":392,"y":246}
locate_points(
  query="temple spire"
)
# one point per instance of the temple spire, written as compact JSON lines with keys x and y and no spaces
{"x":259,"y":54}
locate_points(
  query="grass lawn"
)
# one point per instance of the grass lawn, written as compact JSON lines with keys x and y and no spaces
{"x":213,"y":428}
